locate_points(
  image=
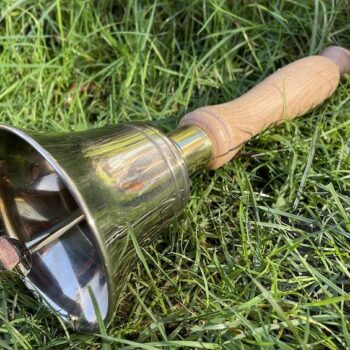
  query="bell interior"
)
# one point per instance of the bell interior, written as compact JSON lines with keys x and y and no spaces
{"x":34,"y":196}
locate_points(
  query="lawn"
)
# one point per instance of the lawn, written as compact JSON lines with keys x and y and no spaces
{"x":260,"y":258}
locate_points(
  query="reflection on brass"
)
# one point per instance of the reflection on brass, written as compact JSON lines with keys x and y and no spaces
{"x":71,"y":200}
{"x":195,"y":147}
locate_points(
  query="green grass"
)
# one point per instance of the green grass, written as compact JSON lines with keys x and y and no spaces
{"x":260,"y":258}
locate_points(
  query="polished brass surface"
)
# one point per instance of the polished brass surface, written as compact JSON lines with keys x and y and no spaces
{"x":125,"y":179}
{"x":54,"y":232}
{"x":195,"y":147}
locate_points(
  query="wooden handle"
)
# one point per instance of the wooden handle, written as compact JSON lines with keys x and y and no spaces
{"x":288,"y":93}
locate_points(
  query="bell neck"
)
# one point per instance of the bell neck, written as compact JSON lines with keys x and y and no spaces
{"x":194,"y":145}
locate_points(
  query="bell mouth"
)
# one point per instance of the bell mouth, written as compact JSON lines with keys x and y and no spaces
{"x":36,"y":195}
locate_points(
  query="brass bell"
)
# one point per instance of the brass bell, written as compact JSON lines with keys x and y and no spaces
{"x":72,"y":204}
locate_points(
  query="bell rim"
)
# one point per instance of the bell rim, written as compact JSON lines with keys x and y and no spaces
{"x":101,"y":247}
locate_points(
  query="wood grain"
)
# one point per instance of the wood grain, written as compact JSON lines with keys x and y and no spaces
{"x":340,"y":56}
{"x":290,"y":92}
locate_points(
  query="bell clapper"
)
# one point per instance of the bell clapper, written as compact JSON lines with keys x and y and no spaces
{"x":14,"y":252}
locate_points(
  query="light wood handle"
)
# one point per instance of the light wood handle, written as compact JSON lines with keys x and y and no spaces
{"x":288,"y":93}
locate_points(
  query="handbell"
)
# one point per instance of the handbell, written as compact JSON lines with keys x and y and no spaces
{"x":71,"y":204}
